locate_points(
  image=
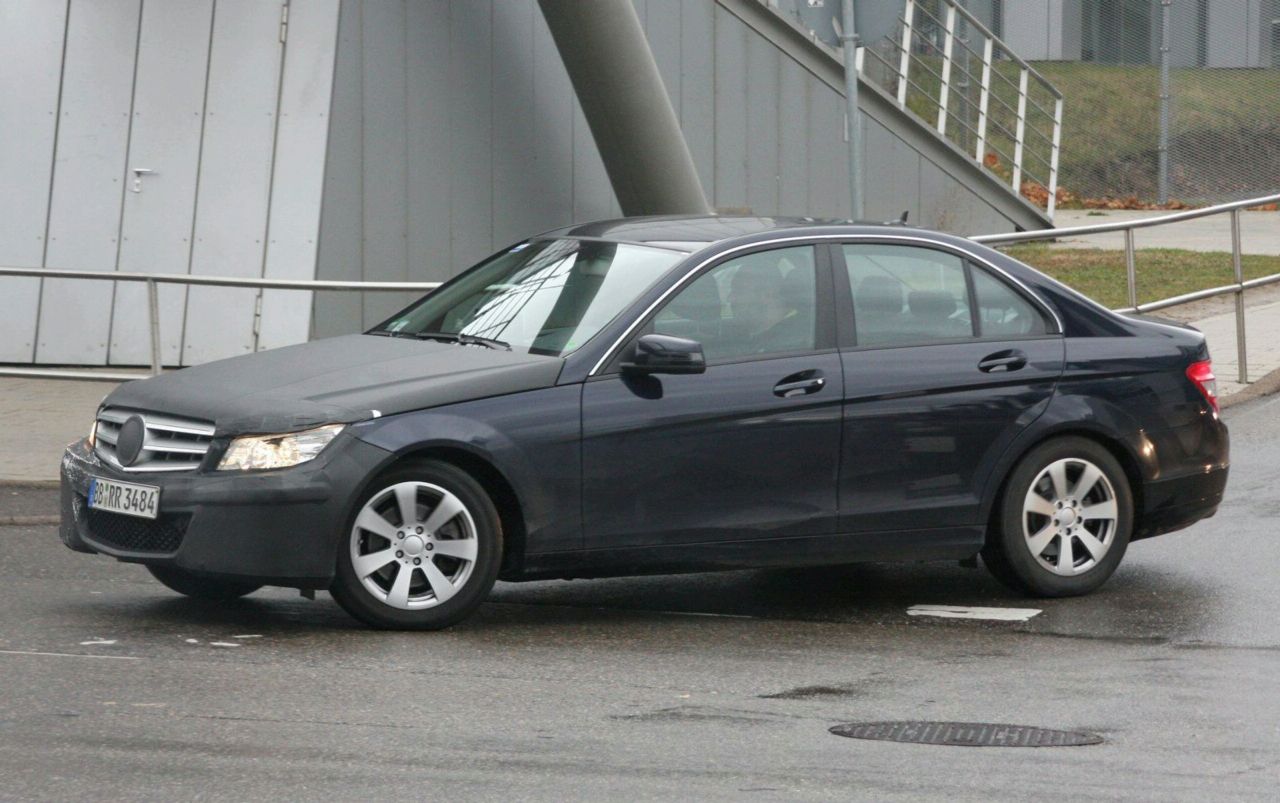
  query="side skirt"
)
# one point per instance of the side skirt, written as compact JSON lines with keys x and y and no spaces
{"x":953,"y":543}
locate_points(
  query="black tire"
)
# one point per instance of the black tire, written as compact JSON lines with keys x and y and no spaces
{"x":1007,"y":553}
{"x":359,"y":601}
{"x":198,"y":587}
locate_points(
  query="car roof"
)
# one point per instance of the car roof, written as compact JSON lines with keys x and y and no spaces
{"x":693,"y":233}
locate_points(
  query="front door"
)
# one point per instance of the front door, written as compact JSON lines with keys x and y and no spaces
{"x":747,"y":450}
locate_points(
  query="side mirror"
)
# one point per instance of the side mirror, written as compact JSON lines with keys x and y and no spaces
{"x":664,"y":354}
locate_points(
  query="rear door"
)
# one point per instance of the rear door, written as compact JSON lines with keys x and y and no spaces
{"x":945,"y":363}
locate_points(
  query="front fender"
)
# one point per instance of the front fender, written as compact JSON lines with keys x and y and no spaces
{"x":531,"y":439}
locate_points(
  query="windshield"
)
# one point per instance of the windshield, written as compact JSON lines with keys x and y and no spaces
{"x":543,"y":296}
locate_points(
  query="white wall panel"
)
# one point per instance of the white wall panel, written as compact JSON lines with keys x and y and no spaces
{"x":155,"y":233}
{"x":88,"y":178}
{"x":235,"y":176}
{"x":298,"y":175}
{"x":31,"y":33}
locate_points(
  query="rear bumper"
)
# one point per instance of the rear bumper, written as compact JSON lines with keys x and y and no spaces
{"x":1173,"y":504}
{"x":276,"y":528}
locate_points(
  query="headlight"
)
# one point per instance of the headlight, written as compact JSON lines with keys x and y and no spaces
{"x":260,"y":452}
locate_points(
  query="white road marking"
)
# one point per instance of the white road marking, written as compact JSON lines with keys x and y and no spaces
{"x":247,"y":636}
{"x":71,"y":655}
{"x":98,"y":641}
{"x":222,"y":644}
{"x":192,"y":640}
{"x":963,"y":612}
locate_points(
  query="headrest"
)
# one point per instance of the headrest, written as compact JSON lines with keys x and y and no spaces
{"x":937,"y":305}
{"x":879,"y":294}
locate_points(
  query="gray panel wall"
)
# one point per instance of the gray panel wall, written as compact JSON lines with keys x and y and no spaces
{"x":455,"y":132}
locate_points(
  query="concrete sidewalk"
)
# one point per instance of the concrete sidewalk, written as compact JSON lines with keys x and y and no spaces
{"x":38,"y":418}
{"x":1259,"y":231}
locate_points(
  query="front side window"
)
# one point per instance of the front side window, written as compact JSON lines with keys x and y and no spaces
{"x":543,"y":296}
{"x":763,"y":303}
{"x":904,"y":295}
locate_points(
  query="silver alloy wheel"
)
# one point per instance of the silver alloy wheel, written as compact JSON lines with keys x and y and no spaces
{"x":414,"y":545}
{"x":1069,"y":516}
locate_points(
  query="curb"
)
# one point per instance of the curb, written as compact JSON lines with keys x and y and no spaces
{"x":29,"y":521}
{"x":29,"y":485}
{"x":1266,"y":386}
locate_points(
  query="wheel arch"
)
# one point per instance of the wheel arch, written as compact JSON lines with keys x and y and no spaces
{"x":496,"y":484}
{"x":1125,"y":454}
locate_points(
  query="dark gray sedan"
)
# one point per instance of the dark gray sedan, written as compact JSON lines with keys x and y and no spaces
{"x":660,"y":395}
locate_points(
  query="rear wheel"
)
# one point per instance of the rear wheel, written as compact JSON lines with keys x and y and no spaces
{"x":198,"y":587}
{"x":422,"y":549}
{"x":1064,"y":521}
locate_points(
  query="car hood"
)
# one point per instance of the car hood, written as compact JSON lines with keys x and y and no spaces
{"x":337,"y":380}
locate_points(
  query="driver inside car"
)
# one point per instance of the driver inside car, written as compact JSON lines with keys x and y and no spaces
{"x":773,"y":312}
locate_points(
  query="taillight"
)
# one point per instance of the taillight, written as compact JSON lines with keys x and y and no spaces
{"x":1201,"y":375}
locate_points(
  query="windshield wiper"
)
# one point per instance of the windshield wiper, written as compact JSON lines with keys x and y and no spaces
{"x":464,"y":340}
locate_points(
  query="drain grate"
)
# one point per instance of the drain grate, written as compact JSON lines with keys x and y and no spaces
{"x":965,"y":734}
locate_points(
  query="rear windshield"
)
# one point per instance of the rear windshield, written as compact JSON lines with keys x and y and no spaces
{"x":543,"y":296}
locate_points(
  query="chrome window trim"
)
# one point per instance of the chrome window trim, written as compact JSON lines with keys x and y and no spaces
{"x":944,"y":246}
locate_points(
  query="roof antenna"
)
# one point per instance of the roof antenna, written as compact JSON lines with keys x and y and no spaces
{"x":902,"y":221}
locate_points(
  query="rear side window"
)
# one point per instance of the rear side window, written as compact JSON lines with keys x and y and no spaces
{"x":1002,"y":312}
{"x":904,"y":295}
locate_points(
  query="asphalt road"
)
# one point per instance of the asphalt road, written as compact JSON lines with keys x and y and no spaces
{"x":692,"y":687}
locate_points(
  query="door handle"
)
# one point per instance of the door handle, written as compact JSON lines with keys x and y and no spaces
{"x":1002,"y":362}
{"x":800,"y":384}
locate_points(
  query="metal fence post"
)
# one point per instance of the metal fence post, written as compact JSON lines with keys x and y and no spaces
{"x":1053,"y":157}
{"x":1163,"y":179}
{"x":1131,"y":268}
{"x":944,"y":92}
{"x":984,"y":99}
{"x":1241,"y":356}
{"x":1021,"y":132}
{"x":904,"y":63}
{"x":153,"y":304}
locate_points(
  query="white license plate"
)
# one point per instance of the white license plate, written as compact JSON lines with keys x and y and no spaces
{"x":124,"y":497}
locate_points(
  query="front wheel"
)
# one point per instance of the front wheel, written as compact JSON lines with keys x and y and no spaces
{"x":1064,"y":521}
{"x":421,"y":550}
{"x":198,"y":587}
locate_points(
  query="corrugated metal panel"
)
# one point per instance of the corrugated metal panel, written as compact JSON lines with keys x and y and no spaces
{"x":762,"y":68}
{"x":89,"y":178}
{"x":298,"y":173}
{"x":430,"y":141}
{"x":730,"y":124}
{"x":235,"y":177}
{"x":31,"y":33}
{"x":155,"y":232}
{"x":793,"y":136}
{"x":697,"y":89}
{"x":341,"y":225}
{"x":386,"y":150}
{"x":471,"y":104}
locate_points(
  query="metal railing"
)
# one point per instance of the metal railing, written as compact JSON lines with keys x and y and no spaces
{"x":1236,"y":288}
{"x":979,"y":104}
{"x":153,"y":306}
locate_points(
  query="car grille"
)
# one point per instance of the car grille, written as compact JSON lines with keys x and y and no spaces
{"x":161,"y":536}
{"x":171,"y":443}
